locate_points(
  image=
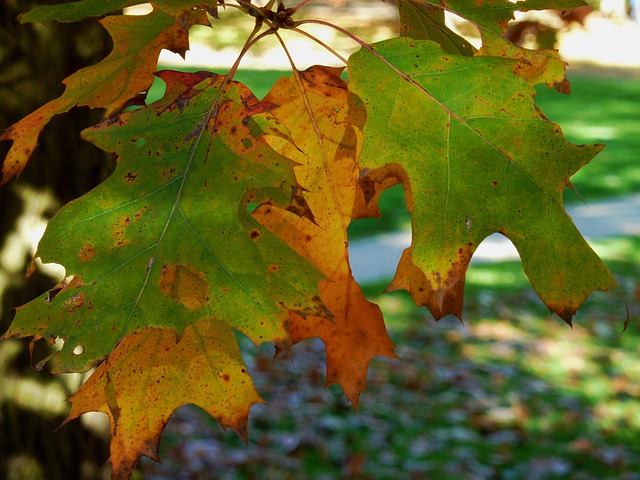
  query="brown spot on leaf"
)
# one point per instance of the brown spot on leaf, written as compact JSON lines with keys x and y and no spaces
{"x":255,"y":235}
{"x":185,"y":284}
{"x":87,"y":252}
{"x":120,"y":225}
{"x":139,"y":213}
{"x":563,"y":86}
{"x":75,"y":302}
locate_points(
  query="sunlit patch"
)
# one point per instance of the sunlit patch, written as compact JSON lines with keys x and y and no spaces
{"x":591,"y":132}
{"x":52,"y":270}
{"x":464,"y":28}
{"x":141,"y":9}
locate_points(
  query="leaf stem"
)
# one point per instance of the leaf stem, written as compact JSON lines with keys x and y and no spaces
{"x":247,"y":46}
{"x":286,"y":51}
{"x":371,"y":50}
{"x":364,"y":45}
{"x":316,"y":128}
{"x":339,"y":29}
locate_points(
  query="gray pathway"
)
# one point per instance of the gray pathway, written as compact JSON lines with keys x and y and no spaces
{"x":377,"y":258}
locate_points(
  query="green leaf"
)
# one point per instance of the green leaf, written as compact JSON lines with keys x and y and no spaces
{"x":167,"y":240}
{"x":75,"y":11}
{"x":493,"y":15}
{"x":83,"y":9}
{"x":422,"y":20}
{"x":425,"y":21}
{"x":476,"y":157}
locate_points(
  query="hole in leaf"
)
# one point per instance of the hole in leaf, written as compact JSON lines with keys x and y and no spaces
{"x":79,"y":350}
{"x":393,"y":216}
{"x":464,"y":28}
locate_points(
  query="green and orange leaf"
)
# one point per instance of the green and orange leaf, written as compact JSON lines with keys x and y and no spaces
{"x":167,"y":240}
{"x":480,"y":160}
{"x":325,"y":126}
{"x":425,"y":20}
{"x":112,"y":83}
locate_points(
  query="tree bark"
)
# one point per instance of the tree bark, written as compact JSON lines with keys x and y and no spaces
{"x":34,"y":59}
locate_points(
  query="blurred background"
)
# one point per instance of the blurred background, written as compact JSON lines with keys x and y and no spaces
{"x":512,"y":393}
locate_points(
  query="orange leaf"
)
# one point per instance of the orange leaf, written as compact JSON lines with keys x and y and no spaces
{"x":153,"y":372}
{"x":326,"y":127}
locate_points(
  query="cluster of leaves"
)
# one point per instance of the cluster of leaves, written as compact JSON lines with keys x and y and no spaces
{"x":226,"y":213}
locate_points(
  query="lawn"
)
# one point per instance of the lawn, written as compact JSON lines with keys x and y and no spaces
{"x":513,"y":393}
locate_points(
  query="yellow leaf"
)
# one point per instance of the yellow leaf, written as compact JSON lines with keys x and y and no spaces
{"x":325,"y":127}
{"x":153,"y":372}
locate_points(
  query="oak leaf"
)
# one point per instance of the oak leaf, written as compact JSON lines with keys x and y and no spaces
{"x":74,"y":11}
{"x":325,"y":127}
{"x":167,"y":239}
{"x":112,"y":83}
{"x":424,"y":20}
{"x":155,"y":371}
{"x":474,"y":159}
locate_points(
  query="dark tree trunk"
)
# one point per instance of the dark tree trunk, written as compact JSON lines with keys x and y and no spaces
{"x":34,"y":59}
